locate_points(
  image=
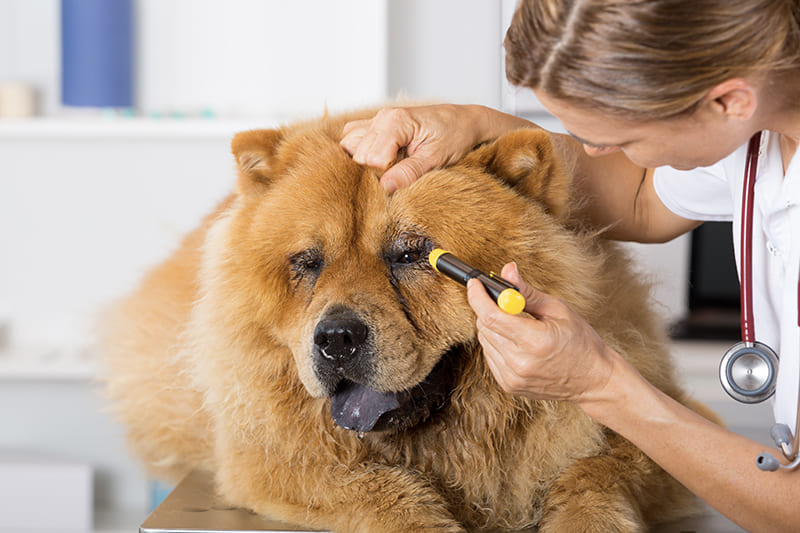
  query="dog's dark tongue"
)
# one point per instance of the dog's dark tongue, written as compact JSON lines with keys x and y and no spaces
{"x":359,"y":408}
{"x":356,"y":407}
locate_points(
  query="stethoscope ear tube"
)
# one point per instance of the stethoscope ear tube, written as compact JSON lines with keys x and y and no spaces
{"x":767,"y":462}
{"x":782,"y":436}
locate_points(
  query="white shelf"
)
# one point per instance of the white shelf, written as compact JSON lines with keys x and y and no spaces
{"x":115,"y":128}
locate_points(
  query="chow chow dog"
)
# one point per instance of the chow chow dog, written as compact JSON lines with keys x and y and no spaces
{"x":299,"y":346}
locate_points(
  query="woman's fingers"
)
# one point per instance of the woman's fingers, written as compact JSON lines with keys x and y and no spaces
{"x":432,"y":136}
{"x":406,"y":172}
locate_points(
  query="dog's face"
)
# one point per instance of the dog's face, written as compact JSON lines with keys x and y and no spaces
{"x":317,"y":256}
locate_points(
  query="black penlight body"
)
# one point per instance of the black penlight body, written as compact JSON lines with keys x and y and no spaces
{"x":455,"y":269}
{"x":504,"y":293}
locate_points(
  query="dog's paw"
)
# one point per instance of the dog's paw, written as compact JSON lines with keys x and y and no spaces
{"x":593,"y":512}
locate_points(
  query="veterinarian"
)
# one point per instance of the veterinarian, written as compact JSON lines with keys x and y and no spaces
{"x":660,"y":99}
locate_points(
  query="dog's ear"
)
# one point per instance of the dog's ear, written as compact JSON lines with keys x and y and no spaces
{"x":525,"y":160}
{"x":254,"y":152}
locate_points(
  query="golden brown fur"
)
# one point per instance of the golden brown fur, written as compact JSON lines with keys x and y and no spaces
{"x":211,"y":359}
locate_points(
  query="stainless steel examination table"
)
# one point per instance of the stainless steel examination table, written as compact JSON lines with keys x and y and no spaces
{"x":193,"y":507}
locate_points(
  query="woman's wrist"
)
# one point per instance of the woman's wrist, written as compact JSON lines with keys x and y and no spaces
{"x":493,"y":123}
{"x":623,"y":388}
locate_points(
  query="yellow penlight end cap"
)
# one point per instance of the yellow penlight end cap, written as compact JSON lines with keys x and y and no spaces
{"x":511,"y":301}
{"x":435,"y":255}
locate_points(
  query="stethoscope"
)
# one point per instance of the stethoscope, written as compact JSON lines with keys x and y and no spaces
{"x":749,"y":369}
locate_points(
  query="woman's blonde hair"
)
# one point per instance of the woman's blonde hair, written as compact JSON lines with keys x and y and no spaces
{"x":647,"y":59}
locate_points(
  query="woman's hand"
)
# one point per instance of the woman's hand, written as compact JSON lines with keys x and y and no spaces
{"x":550,"y":353}
{"x":433,"y":136}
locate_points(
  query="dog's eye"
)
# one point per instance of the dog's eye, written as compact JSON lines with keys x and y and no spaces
{"x":307,"y":262}
{"x":409,"y":257}
{"x":407,"y":253}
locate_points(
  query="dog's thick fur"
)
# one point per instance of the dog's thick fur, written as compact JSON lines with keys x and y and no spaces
{"x":213,"y":362}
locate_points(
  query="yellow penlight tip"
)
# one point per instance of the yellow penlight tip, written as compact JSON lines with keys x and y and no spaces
{"x":435,"y":255}
{"x":511,"y":301}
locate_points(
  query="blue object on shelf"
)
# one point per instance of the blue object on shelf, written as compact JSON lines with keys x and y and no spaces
{"x":96,"y":53}
{"x":158,"y":493}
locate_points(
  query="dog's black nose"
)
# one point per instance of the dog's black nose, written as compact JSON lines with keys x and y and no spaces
{"x":340,"y":335}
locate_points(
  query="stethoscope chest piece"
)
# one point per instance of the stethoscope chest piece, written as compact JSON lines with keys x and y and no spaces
{"x":748,"y":372}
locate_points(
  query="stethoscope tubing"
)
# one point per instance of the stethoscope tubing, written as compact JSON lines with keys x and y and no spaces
{"x":746,"y":241}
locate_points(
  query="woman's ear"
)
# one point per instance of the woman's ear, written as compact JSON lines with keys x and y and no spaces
{"x":525,"y":160}
{"x":254,"y":152}
{"x":734,"y":99}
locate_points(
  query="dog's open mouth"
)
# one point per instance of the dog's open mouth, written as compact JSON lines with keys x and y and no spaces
{"x":359,"y":408}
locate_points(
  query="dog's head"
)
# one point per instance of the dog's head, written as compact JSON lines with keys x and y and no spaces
{"x":314,"y":254}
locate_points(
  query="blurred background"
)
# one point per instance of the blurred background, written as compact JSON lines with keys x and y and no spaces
{"x":115,"y":123}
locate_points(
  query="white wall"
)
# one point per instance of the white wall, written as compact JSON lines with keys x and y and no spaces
{"x":83,"y":216}
{"x":272,"y":58}
{"x":445,"y":50}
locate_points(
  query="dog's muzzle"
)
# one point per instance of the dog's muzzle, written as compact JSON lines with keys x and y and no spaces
{"x":344,"y":364}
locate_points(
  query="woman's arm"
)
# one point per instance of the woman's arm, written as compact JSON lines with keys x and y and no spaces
{"x":616,"y":194}
{"x":717,"y":465}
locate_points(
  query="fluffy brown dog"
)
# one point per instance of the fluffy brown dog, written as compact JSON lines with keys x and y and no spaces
{"x":306,"y":305}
